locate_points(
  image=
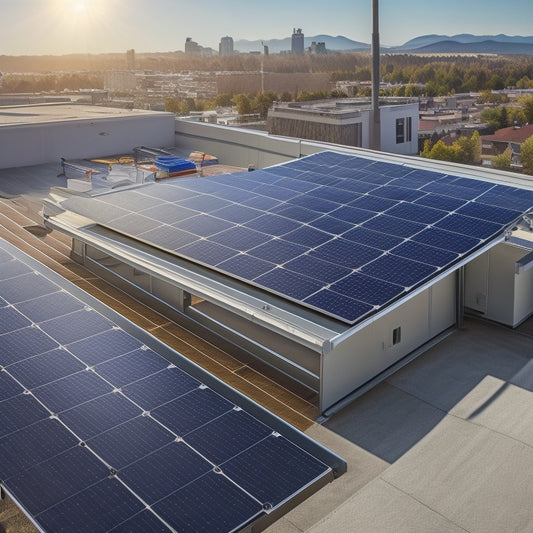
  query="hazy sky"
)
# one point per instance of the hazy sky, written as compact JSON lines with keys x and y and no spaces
{"x":37,"y":27}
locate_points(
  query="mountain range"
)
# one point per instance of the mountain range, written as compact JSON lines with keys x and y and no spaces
{"x":427,"y":44}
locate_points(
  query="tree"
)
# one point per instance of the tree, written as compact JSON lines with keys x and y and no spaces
{"x":503,"y":161}
{"x":223,"y":100}
{"x":527,"y":105}
{"x":263,"y":101}
{"x":243,"y":103}
{"x":526,"y":155}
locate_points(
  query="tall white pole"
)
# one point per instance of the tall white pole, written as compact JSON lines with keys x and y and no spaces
{"x":375,"y":142}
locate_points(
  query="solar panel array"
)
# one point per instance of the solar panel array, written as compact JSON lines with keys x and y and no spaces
{"x":98,"y":432}
{"x":340,"y":234}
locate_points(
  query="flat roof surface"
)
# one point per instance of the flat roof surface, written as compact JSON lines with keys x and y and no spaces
{"x":22,"y":115}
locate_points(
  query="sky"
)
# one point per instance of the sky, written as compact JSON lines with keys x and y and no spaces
{"x":57,"y":27}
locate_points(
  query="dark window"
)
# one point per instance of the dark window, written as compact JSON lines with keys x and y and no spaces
{"x":396,"y":335}
{"x":403,"y":130}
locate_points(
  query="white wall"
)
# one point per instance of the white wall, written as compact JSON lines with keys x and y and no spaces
{"x":369,"y":351}
{"x":37,"y":143}
{"x":389,"y":114}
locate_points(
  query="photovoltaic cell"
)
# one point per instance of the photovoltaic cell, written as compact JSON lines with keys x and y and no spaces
{"x":164,"y":471}
{"x":398,"y":270}
{"x":13,"y":268}
{"x":367,"y":289}
{"x":48,"y":483}
{"x":211,"y":503}
{"x":128,"y":442}
{"x":291,"y":284}
{"x":263,"y":471}
{"x":21,"y":344}
{"x":49,"y":306}
{"x":8,"y":387}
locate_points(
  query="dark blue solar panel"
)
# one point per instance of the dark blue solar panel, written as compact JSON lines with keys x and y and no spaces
{"x":314,"y":204}
{"x":203,"y":225}
{"x":204,"y":204}
{"x":331,"y":225}
{"x":278,"y":251}
{"x":366,"y":289}
{"x":161,"y":473}
{"x":166,"y":213}
{"x":263,"y":470}
{"x":425,"y":254}
{"x":480,"y":229}
{"x":48,"y":483}
{"x":13,"y":268}
{"x":160,"y":388}
{"x":261,"y":202}
{"x":346,"y":253}
{"x":352,"y":215}
{"x":237,"y":213}
{"x":394,"y":226}
{"x":131,"y":367}
{"x":50,"y":306}
{"x":446,"y":203}
{"x":295,"y":212}
{"x":334,"y":194}
{"x":273,"y":224}
{"x":382,"y":241}
{"x":192,"y":410}
{"x":295,"y":184}
{"x":355,"y":186}
{"x":26,"y":287}
{"x":240,"y":238}
{"x":133,"y":200}
{"x":245,"y":266}
{"x":114,"y":502}
{"x":339,"y":305}
{"x":143,"y":522}
{"x":33,"y":444}
{"x":446,"y":240}
{"x":242,"y":429}
{"x":8,"y":387}
{"x":398,"y":270}
{"x":104,"y":346}
{"x":130,"y":441}
{"x":398,"y":193}
{"x":72,"y":390}
{"x":168,"y":237}
{"x":490,"y":213}
{"x":209,"y":504}
{"x":417,"y":213}
{"x":134,"y":223}
{"x":11,"y":320}
{"x":508,"y":198}
{"x":289,"y":283}
{"x":19,"y":412}
{"x":20,"y":344}
{"x":318,"y":269}
{"x":279,"y":193}
{"x":445,"y":188}
{"x":96,"y":416}
{"x":76,"y":325}
{"x":45,"y":368}
{"x":206,"y":252}
{"x":373,"y":203}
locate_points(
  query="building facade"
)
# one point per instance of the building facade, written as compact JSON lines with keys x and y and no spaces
{"x":225,"y":48}
{"x":297,"y":42}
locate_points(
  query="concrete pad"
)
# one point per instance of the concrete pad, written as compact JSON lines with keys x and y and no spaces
{"x":386,"y":421}
{"x":477,"y":478}
{"x":497,"y":405}
{"x":453,"y":368}
{"x":380,"y":507}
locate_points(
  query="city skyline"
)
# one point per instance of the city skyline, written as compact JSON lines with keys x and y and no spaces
{"x":56,"y":27}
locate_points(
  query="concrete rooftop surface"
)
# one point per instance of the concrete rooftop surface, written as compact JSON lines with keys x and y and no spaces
{"x":444,"y":444}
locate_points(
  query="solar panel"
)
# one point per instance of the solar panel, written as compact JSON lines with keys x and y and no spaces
{"x":98,"y":432}
{"x":342,"y":209}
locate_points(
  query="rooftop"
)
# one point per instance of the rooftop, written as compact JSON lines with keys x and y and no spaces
{"x":444,"y":444}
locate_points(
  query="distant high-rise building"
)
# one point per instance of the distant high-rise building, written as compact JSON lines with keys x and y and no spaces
{"x":130,"y":59}
{"x":192,"y":47}
{"x":297,"y":43}
{"x":317,"y":48}
{"x":225,"y":48}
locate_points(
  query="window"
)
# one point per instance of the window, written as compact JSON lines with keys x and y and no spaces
{"x":403,"y":130}
{"x":396,"y":335}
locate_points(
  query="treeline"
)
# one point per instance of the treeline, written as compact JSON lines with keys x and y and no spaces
{"x":411,"y":75}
